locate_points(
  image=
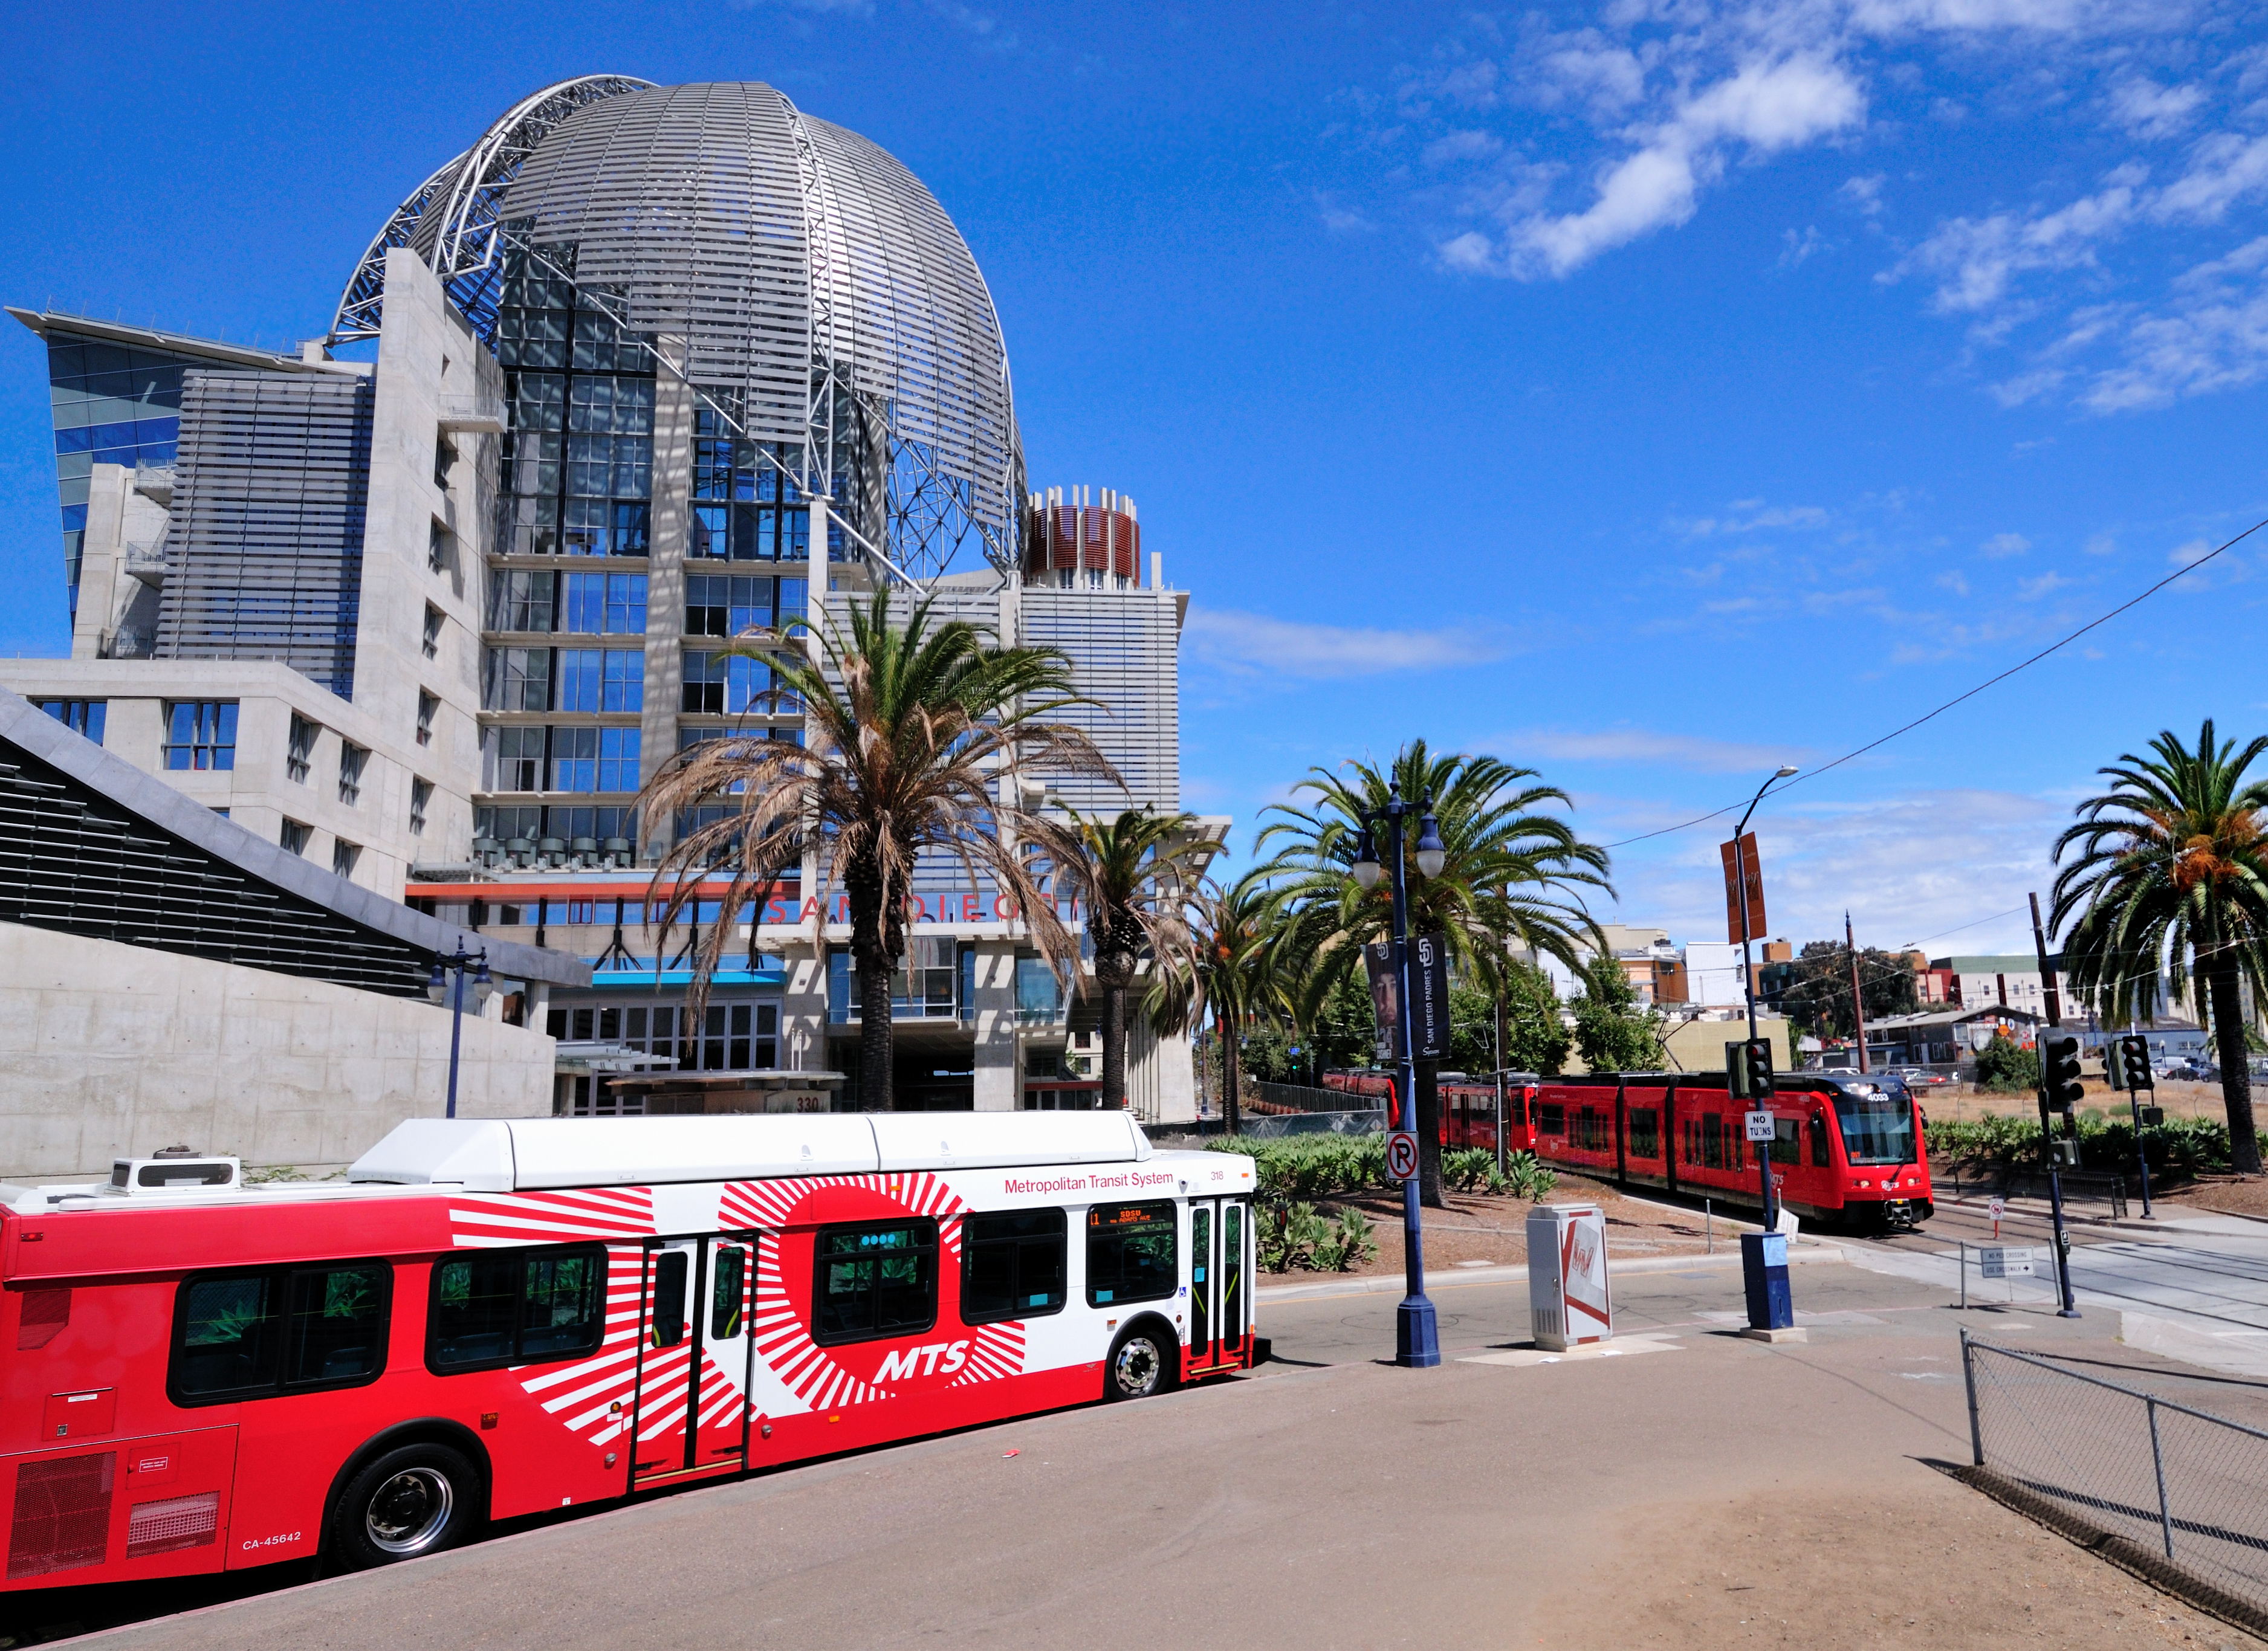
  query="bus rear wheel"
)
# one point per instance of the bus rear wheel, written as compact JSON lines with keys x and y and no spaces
{"x":408,"y":1503}
{"x":1142,"y":1363}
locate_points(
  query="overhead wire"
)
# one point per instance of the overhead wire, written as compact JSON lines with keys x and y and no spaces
{"x":2183,"y":571}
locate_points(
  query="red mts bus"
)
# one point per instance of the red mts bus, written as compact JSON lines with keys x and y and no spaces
{"x":490,"y":1319}
{"x":1845,"y":1152}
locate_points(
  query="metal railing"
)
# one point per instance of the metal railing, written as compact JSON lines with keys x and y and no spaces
{"x":1260,"y":1096}
{"x":2172,"y":1492}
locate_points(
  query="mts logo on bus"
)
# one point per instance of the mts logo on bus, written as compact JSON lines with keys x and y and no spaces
{"x":938,"y":1358}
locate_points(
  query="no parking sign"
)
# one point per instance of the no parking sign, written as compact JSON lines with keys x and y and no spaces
{"x":1402,"y":1154}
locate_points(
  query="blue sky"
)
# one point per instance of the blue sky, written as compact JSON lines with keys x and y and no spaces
{"x":1648,"y":393}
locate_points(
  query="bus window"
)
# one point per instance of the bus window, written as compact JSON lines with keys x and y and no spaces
{"x":724,"y":1300}
{"x":873,"y":1280}
{"x":246,"y":1335}
{"x":668,"y":1321}
{"x":1011,"y":1264}
{"x":1130,"y":1253}
{"x":515,"y":1306}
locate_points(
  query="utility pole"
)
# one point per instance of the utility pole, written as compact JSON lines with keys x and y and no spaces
{"x":1858,"y":1001}
{"x":2070,"y":1309}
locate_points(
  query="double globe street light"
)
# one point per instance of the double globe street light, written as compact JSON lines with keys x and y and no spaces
{"x":1416,"y":1334}
{"x":446,"y":985}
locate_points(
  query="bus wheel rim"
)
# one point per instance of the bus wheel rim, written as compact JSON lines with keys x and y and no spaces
{"x":1138,"y":1366}
{"x":410,"y":1510}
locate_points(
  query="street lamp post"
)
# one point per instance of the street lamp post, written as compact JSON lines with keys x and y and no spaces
{"x":1416,"y":1334}
{"x":1748,"y":983}
{"x":447,"y":985}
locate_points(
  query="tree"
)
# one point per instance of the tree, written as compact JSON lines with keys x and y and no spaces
{"x":1133,"y":876}
{"x":1511,"y":877}
{"x":1472,"y":1029}
{"x":2170,"y":871}
{"x":1818,"y":993}
{"x":911,"y":728}
{"x":1613,"y":1033}
{"x":1535,"y":1031}
{"x":1237,"y":969}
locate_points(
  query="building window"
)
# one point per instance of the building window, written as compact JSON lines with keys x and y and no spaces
{"x":294,"y":837}
{"x":591,"y":680}
{"x":923,"y":988}
{"x":301,"y":753}
{"x":520,"y":601}
{"x":83,"y":717}
{"x":720,"y":684}
{"x":352,"y":757}
{"x":445,"y":455}
{"x":432,"y":638}
{"x":594,"y":760}
{"x":723,"y":605}
{"x":343,"y":855}
{"x":427,"y":705}
{"x":436,"y":548}
{"x":519,"y":759}
{"x":421,"y":795}
{"x":201,"y":734}
{"x":610,"y":602}
{"x":517,"y":680}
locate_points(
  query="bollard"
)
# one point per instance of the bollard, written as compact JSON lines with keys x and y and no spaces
{"x":1764,"y":1274}
{"x":1965,"y":1277}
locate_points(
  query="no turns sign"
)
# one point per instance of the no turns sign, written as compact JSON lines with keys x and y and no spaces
{"x":1402,"y":1154}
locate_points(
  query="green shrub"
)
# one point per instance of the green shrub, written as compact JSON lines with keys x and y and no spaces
{"x":2006,"y":1069}
{"x":1528,"y":1176}
{"x":2179,"y":1147}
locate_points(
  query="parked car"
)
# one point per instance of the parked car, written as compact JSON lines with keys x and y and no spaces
{"x":1923,"y":1078}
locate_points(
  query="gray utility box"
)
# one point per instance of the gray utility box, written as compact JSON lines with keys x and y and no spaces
{"x":1568,"y":1302}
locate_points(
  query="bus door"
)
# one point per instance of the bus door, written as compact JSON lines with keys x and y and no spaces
{"x":690,"y":1419}
{"x":1220,"y":1250}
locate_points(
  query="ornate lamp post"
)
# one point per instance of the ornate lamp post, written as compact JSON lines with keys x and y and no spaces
{"x":447,"y":985}
{"x":1417,"y":1335}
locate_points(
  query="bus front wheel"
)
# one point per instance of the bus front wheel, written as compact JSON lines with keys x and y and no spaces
{"x":1143,"y":1361}
{"x":408,"y":1503}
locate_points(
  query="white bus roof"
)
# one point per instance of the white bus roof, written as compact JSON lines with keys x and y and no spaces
{"x":519,"y":1155}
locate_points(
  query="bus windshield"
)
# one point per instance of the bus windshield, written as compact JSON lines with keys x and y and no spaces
{"x":1876,"y":1129}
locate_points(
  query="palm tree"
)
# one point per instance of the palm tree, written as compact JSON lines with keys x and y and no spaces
{"x":2172,"y":873}
{"x":1240,"y":970}
{"x":911,"y":730}
{"x":1512,"y":878}
{"x":1131,"y":876}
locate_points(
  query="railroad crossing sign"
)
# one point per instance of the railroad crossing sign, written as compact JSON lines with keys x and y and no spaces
{"x":1760,"y":1125}
{"x":1998,"y":1262}
{"x":1402,"y":1154}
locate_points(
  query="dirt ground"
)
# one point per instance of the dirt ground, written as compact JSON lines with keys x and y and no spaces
{"x":1926,"y":1566}
{"x":1965,"y":1100}
{"x":1477,"y":1230}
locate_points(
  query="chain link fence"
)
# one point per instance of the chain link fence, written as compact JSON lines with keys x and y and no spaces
{"x":2173,"y":1492}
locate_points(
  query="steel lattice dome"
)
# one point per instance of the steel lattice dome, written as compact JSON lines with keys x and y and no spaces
{"x":788,"y":253}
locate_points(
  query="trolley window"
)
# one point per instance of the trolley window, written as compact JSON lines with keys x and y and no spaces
{"x":280,"y":1329}
{"x":1645,"y":1132}
{"x":1876,"y":1129}
{"x":1786,"y":1141}
{"x":1819,"y":1158}
{"x":1130,"y":1254}
{"x":515,"y":1306}
{"x":1551,"y":1119}
{"x":1011,"y":1264}
{"x":873,"y":1280}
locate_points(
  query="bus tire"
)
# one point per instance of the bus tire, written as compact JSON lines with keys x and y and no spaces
{"x":1143,"y":1362}
{"x":416,"y":1499}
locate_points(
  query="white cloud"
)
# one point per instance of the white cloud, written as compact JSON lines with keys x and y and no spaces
{"x":1975,"y":260}
{"x":1259,"y":644}
{"x":1864,"y":194}
{"x":1753,"y":515}
{"x":2149,"y":110}
{"x":2224,"y":169}
{"x":1465,"y":145}
{"x":1766,"y":106}
{"x":1643,"y":747}
{"x":2032,"y":589}
{"x":2005,"y":545}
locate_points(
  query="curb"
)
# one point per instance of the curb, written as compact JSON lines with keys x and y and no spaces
{"x":1386,"y":1284}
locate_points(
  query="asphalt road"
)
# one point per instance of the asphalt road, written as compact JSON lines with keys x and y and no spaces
{"x":1691,"y":1489}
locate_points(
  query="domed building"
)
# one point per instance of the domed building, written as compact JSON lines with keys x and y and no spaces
{"x":428,"y":600}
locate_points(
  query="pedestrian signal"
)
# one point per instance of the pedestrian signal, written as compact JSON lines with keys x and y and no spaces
{"x":2134,"y":1064}
{"x":2059,"y":1079}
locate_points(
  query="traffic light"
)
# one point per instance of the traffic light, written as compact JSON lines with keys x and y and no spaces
{"x":1757,"y":1068}
{"x":1737,"y":1072}
{"x":2134,"y":1064}
{"x":2059,"y":1080}
{"x":2065,"y":1152}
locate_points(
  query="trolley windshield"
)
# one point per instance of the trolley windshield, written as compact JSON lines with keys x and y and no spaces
{"x":1876,"y":1129}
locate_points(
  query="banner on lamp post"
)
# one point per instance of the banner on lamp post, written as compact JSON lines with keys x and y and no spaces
{"x":1429,"y":998}
{"x":1740,"y":857}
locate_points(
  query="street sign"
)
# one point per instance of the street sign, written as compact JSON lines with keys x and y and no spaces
{"x":1997,"y":1208}
{"x":1761,"y":1126}
{"x":1402,"y":1154}
{"x":1999,"y":1262}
